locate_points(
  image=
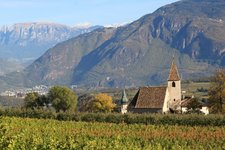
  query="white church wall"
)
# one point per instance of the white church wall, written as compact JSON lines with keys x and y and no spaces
{"x":166,"y":102}
{"x":124,"y":108}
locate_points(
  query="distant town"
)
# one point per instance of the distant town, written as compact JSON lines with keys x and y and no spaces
{"x":40,"y":89}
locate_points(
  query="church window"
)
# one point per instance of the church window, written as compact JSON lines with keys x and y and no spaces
{"x":174,"y":100}
{"x":173,"y":84}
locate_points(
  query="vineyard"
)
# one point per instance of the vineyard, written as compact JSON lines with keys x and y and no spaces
{"x":26,"y":133}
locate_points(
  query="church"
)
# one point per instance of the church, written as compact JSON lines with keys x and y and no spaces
{"x":160,"y":99}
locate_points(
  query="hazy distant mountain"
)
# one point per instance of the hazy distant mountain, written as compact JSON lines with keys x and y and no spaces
{"x":57,"y":65}
{"x":139,"y":53}
{"x":25,"y":42}
{"x":28,"y":41}
{"x":9,"y":65}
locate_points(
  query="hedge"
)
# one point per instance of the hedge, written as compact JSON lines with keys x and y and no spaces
{"x":154,"y":119}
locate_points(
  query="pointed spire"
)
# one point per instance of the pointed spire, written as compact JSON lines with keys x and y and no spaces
{"x":173,"y":74}
{"x":124,"y":97}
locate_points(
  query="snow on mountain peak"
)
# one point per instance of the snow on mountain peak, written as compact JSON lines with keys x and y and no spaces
{"x":83,"y":25}
{"x":116,"y":25}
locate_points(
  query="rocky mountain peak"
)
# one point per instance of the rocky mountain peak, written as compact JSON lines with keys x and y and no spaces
{"x":23,"y":40}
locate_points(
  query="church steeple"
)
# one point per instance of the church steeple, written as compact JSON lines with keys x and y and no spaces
{"x":124,"y":102}
{"x":124,"y":98}
{"x":173,"y":74}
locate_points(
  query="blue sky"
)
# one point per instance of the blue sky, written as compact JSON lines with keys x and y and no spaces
{"x":71,"y":12}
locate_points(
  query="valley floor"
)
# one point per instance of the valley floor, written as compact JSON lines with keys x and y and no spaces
{"x":26,"y":133}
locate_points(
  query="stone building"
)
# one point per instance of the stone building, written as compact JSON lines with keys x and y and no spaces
{"x":202,"y":106}
{"x":162,"y":99}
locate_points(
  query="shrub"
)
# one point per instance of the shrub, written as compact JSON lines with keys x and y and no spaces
{"x":153,"y":119}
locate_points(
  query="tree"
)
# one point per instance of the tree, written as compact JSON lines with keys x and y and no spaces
{"x":62,"y":98}
{"x":102,"y":103}
{"x":194,"y":106}
{"x":31,"y":100}
{"x":84,"y":102}
{"x":217,"y":92}
{"x":34,"y":100}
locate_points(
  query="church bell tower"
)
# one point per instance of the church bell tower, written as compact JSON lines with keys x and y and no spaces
{"x":174,"y":86}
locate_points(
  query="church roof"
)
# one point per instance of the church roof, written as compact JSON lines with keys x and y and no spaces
{"x":149,"y":97}
{"x":173,"y":74}
{"x":124,"y":97}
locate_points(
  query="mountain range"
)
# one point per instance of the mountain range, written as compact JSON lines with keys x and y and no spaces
{"x":31,"y":40}
{"x":25,"y":42}
{"x":139,"y":53}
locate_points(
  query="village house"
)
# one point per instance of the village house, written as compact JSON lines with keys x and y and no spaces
{"x":202,"y":107}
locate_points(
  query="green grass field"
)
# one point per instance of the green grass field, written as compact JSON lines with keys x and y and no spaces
{"x":18,"y":133}
{"x":193,"y":88}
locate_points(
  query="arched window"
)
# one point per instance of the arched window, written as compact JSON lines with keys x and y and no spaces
{"x":174,"y":100}
{"x":173,"y":84}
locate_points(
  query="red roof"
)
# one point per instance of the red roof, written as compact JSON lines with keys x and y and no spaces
{"x":173,"y":74}
{"x":149,"y":97}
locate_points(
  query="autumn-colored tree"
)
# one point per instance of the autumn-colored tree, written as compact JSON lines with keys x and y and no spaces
{"x":217,"y":92}
{"x":102,"y":103}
